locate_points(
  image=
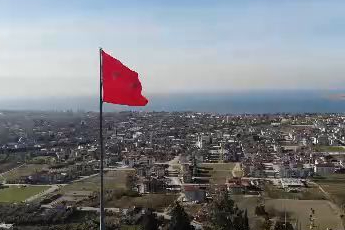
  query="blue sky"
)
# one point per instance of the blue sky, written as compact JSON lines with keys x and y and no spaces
{"x":176,"y":46}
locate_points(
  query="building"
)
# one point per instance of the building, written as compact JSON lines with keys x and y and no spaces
{"x":324,"y":169}
{"x":289,"y":183}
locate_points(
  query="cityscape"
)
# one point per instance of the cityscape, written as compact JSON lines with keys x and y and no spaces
{"x":277,"y":169}
{"x":172,"y":115}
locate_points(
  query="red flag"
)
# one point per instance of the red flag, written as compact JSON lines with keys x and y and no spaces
{"x":121,"y":85}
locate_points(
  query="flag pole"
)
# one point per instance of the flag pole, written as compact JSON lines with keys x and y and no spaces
{"x":102,"y":225}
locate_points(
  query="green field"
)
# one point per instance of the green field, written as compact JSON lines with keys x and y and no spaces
{"x":19,"y":194}
{"x":329,"y":148}
{"x":25,"y":170}
{"x":219,"y":172}
{"x":112,"y":180}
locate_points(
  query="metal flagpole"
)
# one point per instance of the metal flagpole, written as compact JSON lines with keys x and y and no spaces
{"x":102,"y":226}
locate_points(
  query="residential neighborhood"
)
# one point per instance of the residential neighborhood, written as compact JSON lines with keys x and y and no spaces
{"x":154,"y":159}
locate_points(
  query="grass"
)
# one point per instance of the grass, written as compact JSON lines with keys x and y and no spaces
{"x":4,"y":167}
{"x":323,"y":148}
{"x":112,"y":180}
{"x":219,"y":172}
{"x":18,"y":194}
{"x":42,"y":160}
{"x":25,"y":170}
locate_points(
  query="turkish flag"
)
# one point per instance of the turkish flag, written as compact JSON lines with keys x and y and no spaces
{"x":121,"y":85}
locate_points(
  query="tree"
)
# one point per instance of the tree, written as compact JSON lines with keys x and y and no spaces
{"x":267,"y":224}
{"x":149,"y":221}
{"x":246,"y":221}
{"x":260,"y":210}
{"x":225,"y":215}
{"x":179,"y":219}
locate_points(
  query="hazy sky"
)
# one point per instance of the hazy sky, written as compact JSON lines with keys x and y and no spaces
{"x":50,"y":47}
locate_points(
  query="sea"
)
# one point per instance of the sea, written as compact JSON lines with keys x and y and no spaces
{"x":238,"y":102}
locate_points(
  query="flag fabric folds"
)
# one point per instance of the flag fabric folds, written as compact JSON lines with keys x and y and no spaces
{"x":121,"y":85}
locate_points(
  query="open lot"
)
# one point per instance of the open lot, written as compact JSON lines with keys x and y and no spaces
{"x":112,"y":180}
{"x":10,"y":161}
{"x":334,"y":185}
{"x":325,"y":213}
{"x":219,"y":172}
{"x":19,"y":193}
{"x":25,"y":170}
{"x":4,"y":167}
